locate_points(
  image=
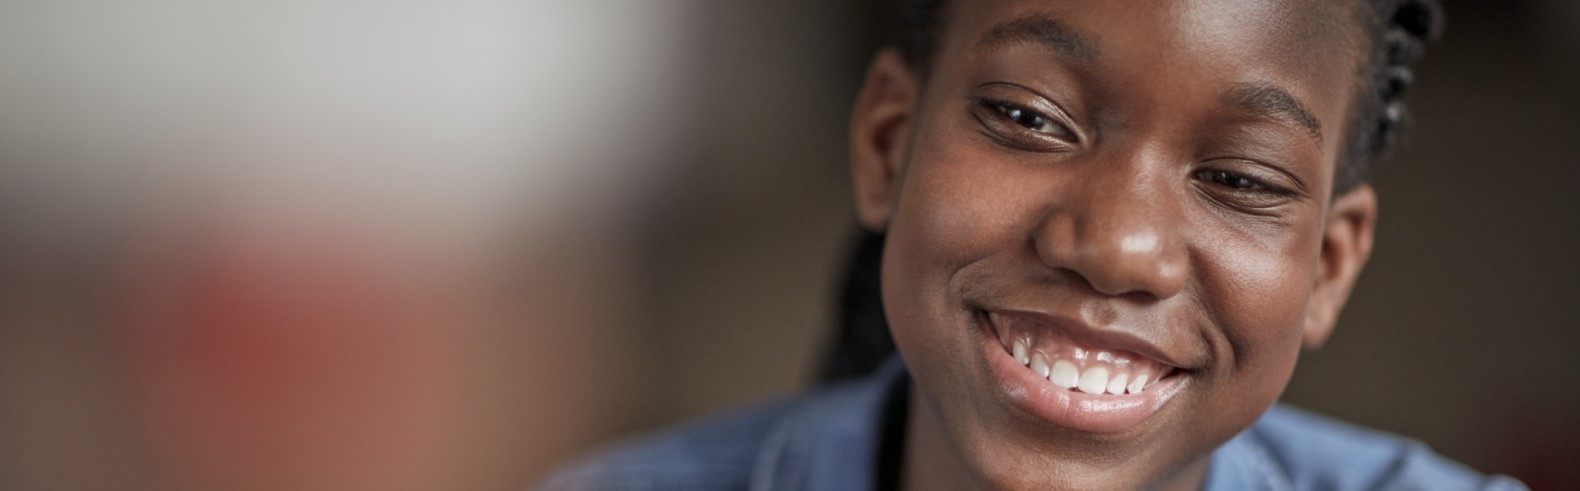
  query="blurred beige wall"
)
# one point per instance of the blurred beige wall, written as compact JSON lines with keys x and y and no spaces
{"x":328,"y":244}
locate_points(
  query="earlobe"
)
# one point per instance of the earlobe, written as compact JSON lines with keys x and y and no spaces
{"x":1346,"y":245}
{"x":878,"y":128}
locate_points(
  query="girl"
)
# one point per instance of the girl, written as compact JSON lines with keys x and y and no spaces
{"x":1108,"y":229}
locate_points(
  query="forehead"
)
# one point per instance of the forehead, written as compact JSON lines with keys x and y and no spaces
{"x":1287,"y":32}
{"x":1177,"y":49}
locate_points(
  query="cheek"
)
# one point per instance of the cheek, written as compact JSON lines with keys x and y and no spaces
{"x":955,"y":207}
{"x":1260,"y":291}
{"x":959,"y":201}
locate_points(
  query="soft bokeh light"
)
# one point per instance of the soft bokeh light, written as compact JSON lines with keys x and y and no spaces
{"x":321,"y":245}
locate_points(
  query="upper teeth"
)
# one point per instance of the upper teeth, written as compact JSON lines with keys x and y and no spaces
{"x":1116,"y":384}
{"x":1098,"y":378}
{"x":1136,"y":385}
{"x":1065,"y":374}
{"x":1093,"y":380}
{"x":1072,"y":365}
{"x":1039,"y":364}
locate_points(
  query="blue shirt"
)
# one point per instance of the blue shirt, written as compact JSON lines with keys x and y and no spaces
{"x":831,"y":440}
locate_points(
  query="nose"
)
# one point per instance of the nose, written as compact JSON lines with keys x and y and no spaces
{"x":1118,"y":230}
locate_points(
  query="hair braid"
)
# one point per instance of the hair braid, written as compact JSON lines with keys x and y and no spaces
{"x":1399,"y":31}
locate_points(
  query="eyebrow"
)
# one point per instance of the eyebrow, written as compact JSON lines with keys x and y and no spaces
{"x":1044,"y":31}
{"x":1273,"y":102}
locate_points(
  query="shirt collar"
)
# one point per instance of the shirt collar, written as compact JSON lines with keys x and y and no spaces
{"x":833,"y":442}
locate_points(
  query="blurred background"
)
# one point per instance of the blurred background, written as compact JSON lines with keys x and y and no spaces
{"x":450,"y":245}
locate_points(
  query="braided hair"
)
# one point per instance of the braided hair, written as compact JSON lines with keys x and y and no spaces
{"x":1397,"y":32}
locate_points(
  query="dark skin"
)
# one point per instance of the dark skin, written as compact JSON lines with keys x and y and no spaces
{"x":1161,"y":170}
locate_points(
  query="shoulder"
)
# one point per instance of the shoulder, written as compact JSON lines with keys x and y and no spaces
{"x":1308,"y":451}
{"x":778,"y":442}
{"x":715,"y":454}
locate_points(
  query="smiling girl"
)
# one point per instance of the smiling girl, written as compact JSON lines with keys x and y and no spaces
{"x":1109,"y":230}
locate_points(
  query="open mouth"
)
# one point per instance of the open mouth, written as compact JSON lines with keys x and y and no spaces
{"x":1071,"y":365}
{"x":1096,"y":383}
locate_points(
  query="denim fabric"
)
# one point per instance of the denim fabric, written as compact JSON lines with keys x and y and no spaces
{"x":829,"y":440}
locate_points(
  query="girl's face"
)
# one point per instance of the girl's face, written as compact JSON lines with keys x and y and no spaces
{"x":1111,"y":229}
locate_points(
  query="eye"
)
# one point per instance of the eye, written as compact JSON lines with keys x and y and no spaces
{"x":1232,"y":180}
{"x":1024,"y":117}
{"x":1247,"y":190}
{"x":1019,"y":126}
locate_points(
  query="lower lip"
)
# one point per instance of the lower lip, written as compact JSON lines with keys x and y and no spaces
{"x":1108,"y":413}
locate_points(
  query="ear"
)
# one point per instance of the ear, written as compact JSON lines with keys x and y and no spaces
{"x":878,"y":128}
{"x":1346,"y":244}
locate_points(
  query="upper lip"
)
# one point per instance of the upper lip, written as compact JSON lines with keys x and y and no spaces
{"x":1107,"y":338}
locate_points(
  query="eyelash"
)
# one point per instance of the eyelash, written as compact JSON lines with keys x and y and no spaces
{"x":1240,"y":182}
{"x":1230,"y":180}
{"x":1027,"y":119}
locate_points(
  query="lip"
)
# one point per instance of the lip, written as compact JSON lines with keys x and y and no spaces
{"x":1079,"y":333}
{"x":1106,"y":413}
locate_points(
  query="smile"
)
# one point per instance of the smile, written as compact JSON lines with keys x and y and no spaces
{"x":1070,"y":365}
{"x":1075,"y":378}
